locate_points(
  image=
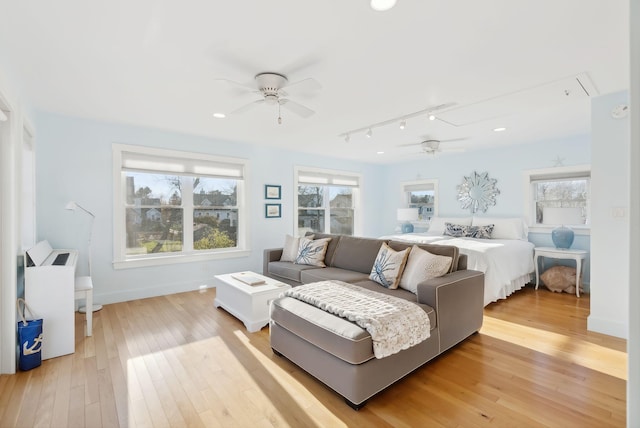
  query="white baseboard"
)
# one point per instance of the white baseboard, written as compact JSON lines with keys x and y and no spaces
{"x":152,"y":291}
{"x":607,"y":326}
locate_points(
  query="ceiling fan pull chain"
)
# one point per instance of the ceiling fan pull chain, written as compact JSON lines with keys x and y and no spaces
{"x":279,"y":117}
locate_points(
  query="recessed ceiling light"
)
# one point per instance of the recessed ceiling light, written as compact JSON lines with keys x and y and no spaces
{"x":380,"y":153}
{"x":499,"y":129}
{"x":382,"y":5}
{"x":219,"y":115}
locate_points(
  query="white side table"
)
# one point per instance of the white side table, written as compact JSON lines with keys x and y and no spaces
{"x":557,"y":253}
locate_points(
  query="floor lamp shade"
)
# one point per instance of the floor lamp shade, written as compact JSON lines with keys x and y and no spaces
{"x":562,"y":236}
{"x":406,"y":216}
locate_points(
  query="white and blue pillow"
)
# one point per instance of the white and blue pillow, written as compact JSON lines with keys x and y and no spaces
{"x":389,"y":265}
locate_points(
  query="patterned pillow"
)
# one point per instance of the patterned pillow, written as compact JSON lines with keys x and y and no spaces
{"x":423,"y":265}
{"x":388,"y":267}
{"x":290,"y":248}
{"x":480,"y":232}
{"x":311,"y":252}
{"x":455,"y":230}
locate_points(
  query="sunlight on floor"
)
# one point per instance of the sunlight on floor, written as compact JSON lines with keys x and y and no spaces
{"x":574,"y":350}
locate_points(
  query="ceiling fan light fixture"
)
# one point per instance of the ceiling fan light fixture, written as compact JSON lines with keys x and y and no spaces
{"x":382,"y":5}
{"x":347,"y":138}
{"x":403,"y":124}
{"x":219,"y":115}
{"x":369,"y":133}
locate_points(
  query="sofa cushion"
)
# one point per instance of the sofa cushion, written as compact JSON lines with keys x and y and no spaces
{"x":441,"y":250}
{"x":331,"y":248}
{"x":324,"y":274}
{"x":312,"y":251}
{"x":423,"y":265}
{"x":357,"y":254}
{"x":289,"y":270}
{"x":290,"y":248}
{"x":388,"y":266}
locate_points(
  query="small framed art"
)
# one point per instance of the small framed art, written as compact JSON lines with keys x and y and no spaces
{"x":272,"y":210}
{"x":272,"y":191}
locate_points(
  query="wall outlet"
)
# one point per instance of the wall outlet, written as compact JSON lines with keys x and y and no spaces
{"x":618,"y":212}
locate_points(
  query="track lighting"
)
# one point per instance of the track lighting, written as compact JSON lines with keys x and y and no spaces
{"x":402,"y":120}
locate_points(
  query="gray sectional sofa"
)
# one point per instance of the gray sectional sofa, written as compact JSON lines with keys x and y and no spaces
{"x":340,"y":353}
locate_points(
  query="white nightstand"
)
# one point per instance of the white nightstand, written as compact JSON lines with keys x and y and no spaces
{"x":557,"y":253}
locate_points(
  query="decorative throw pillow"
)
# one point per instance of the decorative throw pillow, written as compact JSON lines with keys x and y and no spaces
{"x":388,"y":267}
{"x":311,"y":252}
{"x":423,"y":265}
{"x":455,"y":230}
{"x":480,"y":232}
{"x":290,"y":248}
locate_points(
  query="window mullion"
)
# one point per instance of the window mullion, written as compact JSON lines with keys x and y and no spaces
{"x":187,"y":213}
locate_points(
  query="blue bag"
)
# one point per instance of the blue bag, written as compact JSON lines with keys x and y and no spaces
{"x":29,"y":339}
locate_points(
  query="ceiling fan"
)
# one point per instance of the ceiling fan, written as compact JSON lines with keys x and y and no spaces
{"x":432,"y":146}
{"x":270,"y":86}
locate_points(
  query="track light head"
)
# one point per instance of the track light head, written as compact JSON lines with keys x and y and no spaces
{"x":369,"y":133}
{"x":403,"y":124}
{"x":347,"y":138}
{"x":432,"y":117}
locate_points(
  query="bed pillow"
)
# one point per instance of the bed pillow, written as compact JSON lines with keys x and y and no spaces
{"x":312,"y":251}
{"x":389,"y":265}
{"x":455,"y":230}
{"x":480,"y":232}
{"x":437,"y":224}
{"x":290,"y":248}
{"x":423,"y":265}
{"x":504,"y":228}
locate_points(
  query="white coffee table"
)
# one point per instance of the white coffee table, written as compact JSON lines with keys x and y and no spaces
{"x":248,"y":303}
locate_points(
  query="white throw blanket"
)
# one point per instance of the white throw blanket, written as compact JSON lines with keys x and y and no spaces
{"x":393,"y":323}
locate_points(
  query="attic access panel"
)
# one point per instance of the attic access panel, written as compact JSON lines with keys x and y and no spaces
{"x":526,"y":100}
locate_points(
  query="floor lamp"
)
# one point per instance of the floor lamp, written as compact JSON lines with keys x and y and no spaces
{"x":74,"y":206}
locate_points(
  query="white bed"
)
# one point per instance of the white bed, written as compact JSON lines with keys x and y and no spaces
{"x":506,"y":263}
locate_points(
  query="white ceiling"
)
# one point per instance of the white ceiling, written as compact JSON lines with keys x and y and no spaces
{"x":155,"y":63}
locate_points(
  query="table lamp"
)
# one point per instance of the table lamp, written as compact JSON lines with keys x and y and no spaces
{"x":406,"y":216}
{"x":562,"y":236}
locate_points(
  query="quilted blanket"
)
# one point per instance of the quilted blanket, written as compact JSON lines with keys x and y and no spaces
{"x":393,"y":323}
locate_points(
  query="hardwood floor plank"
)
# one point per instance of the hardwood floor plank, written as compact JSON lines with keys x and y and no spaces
{"x":177,"y":361}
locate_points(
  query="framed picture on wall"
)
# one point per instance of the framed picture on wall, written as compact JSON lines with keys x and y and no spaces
{"x":272,"y":191}
{"x":272,"y":210}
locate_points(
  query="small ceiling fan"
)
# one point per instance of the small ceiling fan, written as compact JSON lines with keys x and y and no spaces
{"x":270,"y":86}
{"x":432,"y":146}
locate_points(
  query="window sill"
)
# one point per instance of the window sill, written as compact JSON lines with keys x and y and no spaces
{"x":577,"y":230}
{"x":160,"y":260}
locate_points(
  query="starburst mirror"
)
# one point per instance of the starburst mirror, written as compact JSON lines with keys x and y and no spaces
{"x":478,"y":192}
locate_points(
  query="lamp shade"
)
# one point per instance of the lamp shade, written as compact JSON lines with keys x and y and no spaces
{"x":407,"y":214}
{"x":562,"y":236}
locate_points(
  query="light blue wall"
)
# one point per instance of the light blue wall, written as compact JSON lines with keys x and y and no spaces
{"x":74,"y":162}
{"x":506,"y":164}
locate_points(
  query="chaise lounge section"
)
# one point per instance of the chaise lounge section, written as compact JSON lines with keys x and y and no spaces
{"x":338,"y":352}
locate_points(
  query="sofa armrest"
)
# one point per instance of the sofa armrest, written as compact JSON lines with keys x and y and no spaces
{"x":458,"y":299}
{"x":270,"y":255}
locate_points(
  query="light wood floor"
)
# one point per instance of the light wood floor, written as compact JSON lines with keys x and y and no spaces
{"x":177,"y":361}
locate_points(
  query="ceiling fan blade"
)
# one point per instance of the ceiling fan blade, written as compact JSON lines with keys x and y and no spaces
{"x":296,"y":108}
{"x":454,"y":139}
{"x":309,"y":85}
{"x":237,"y":85}
{"x":247,"y":107}
{"x":409,"y":145}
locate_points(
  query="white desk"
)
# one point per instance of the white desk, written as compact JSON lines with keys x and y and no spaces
{"x":557,"y":253}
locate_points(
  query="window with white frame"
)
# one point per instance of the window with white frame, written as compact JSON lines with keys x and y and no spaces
{"x":422,"y":194}
{"x":327,"y":201}
{"x":554,"y":190}
{"x":176,"y":204}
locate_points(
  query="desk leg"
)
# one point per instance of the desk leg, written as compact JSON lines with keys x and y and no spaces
{"x":578,"y":271}
{"x":535,"y":261}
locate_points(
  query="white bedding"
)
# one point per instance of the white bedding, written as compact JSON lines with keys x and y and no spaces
{"x":507,"y":263}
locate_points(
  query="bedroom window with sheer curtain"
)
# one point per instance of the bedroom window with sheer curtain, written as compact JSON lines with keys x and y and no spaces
{"x":176,"y":206}
{"x":327,"y":201}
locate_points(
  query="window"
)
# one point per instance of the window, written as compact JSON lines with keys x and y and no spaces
{"x":180,"y":205}
{"x":327,"y":201}
{"x":422,"y":194}
{"x":561,"y":187}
